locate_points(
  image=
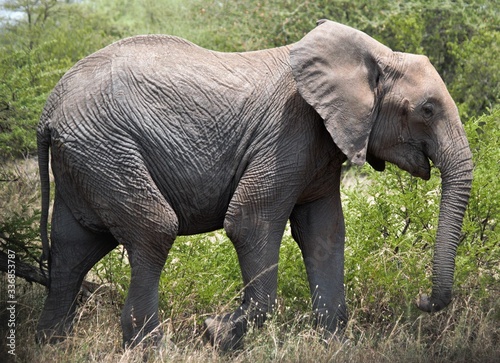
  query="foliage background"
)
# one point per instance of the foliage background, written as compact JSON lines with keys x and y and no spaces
{"x":461,"y":39}
{"x":390,"y":216}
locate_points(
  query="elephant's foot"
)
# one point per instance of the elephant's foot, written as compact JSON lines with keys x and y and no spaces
{"x":51,"y":335}
{"x":224,"y":333}
{"x":155,"y":350}
{"x":334,"y":322}
{"x":153,"y":339}
{"x":337,"y":337}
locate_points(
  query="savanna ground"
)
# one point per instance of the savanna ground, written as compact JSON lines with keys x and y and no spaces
{"x":391,"y":218}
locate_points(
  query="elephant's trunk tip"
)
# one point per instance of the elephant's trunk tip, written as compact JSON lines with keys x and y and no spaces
{"x":430,"y":305}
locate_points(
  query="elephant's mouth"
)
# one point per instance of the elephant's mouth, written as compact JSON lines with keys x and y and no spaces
{"x":413,"y":161}
{"x":420,"y":168}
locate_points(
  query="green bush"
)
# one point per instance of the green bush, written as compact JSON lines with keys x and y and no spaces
{"x":476,"y":86}
{"x":391,"y":221}
{"x":460,"y":38}
{"x":35,"y":52}
{"x":478,"y":261}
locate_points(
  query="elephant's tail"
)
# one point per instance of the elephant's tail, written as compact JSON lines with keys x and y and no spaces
{"x":43,"y":145}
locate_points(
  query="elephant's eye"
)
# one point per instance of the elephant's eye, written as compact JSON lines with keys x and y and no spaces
{"x":428,"y":110}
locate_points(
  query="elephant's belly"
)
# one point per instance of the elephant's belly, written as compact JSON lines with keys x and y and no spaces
{"x":200,"y":213}
{"x":200,"y":222}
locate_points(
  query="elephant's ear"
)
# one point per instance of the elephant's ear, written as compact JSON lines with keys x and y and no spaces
{"x":337,"y":70}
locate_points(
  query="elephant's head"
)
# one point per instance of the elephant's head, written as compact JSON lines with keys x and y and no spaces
{"x":379,"y":105}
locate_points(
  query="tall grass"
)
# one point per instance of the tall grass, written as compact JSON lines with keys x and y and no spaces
{"x":468,"y":331}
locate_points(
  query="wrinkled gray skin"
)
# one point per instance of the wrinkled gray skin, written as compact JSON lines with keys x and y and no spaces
{"x":154,"y":137}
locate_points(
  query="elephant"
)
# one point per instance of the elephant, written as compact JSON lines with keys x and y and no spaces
{"x":154,"y":137}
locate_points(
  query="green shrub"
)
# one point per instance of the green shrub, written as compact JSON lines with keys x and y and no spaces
{"x":476,"y":86}
{"x":35,"y":52}
{"x":391,"y":221}
{"x":478,"y":260}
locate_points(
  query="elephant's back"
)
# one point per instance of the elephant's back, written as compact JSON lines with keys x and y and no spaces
{"x":147,"y":46}
{"x":151,"y":39}
{"x":151,"y":65}
{"x":129,"y":53}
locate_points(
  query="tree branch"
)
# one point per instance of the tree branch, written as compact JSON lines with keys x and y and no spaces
{"x":26,"y":271}
{"x":33,"y":274}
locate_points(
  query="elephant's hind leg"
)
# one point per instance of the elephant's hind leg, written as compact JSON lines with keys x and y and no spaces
{"x":74,"y":250}
{"x":143,"y":221}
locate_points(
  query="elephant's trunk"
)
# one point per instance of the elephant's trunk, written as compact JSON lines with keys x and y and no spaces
{"x":455,"y":163}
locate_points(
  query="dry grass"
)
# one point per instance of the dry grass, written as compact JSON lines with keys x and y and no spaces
{"x":465,"y":332}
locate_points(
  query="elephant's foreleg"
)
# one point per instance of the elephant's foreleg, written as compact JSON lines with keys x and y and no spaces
{"x":318,"y":228}
{"x":74,"y":251}
{"x":257,"y":248}
{"x":256,"y":229}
